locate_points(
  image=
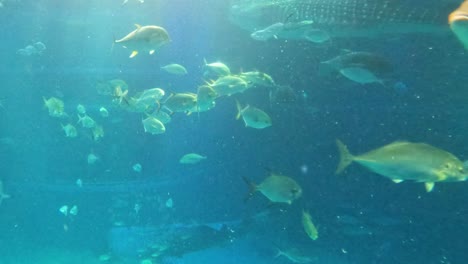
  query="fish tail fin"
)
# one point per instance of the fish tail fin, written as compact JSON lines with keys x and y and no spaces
{"x":279,"y":252}
{"x":114,"y":40}
{"x":80,"y":119}
{"x":345,"y":157}
{"x":239,"y":110}
{"x":204,"y":61}
{"x":252,"y":188}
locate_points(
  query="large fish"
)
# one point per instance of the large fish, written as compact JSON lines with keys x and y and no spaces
{"x":341,"y":18}
{"x":401,"y":161}
{"x":145,"y":39}
{"x":458,"y":21}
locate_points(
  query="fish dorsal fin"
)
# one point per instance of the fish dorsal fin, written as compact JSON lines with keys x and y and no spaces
{"x":429,"y":186}
{"x":138,"y":26}
{"x":151,"y":52}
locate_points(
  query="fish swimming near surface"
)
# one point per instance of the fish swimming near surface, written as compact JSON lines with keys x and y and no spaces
{"x":341,"y":18}
{"x":402,"y":161}
{"x":144,"y":38}
{"x":458,"y":21}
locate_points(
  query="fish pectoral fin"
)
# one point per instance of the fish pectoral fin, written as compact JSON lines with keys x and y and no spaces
{"x":397,"y":180}
{"x":134,"y":53}
{"x":429,"y":186}
{"x":151,"y":52}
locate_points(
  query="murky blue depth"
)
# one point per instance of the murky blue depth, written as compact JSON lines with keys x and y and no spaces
{"x":365,"y":72}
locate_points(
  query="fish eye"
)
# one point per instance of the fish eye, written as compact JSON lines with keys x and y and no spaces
{"x":447,"y":165}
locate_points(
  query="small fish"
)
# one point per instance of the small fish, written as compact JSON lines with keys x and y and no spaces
{"x":55,"y":106}
{"x":206,"y":97}
{"x":137,"y":167}
{"x":181,"y":102}
{"x":81,"y":109}
{"x":360,"y":75}
{"x":191,"y":158}
{"x":229,"y":85}
{"x":373,"y":62}
{"x":258,"y":78}
{"x":169,"y":203}
{"x":253,"y":117}
{"x":79,"y":183}
{"x":152,"y":95}
{"x":3,"y":195}
{"x":64,"y":210}
{"x":145,"y":38}
{"x":295,"y":256}
{"x":401,"y":161}
{"x":70,"y":130}
{"x":103,"y":111}
{"x":73,"y":210}
{"x":86,"y":121}
{"x":216,"y":69}
{"x":98,"y":132}
{"x":162,"y":116}
{"x":153,"y":126}
{"x":174,"y":68}
{"x":309,"y":226}
{"x":92,"y":158}
{"x":268,"y":32}
{"x":458,"y":21}
{"x":277,"y":188}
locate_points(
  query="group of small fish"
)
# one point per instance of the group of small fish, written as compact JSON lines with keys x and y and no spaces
{"x":66,"y":210}
{"x":56,"y":108}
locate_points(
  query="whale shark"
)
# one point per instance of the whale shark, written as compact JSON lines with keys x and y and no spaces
{"x":342,"y":18}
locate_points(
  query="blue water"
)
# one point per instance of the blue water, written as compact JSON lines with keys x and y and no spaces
{"x":361,"y":216}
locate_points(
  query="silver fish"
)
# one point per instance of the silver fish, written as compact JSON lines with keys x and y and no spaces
{"x":341,"y":18}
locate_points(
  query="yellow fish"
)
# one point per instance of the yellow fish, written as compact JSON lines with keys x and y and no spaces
{"x":145,"y":38}
{"x":458,"y":21}
{"x":400,"y":161}
{"x":309,"y":227}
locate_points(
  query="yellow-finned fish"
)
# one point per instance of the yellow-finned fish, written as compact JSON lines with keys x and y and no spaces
{"x":144,"y":38}
{"x":309,"y":226}
{"x":401,"y":161}
{"x":458,"y":21}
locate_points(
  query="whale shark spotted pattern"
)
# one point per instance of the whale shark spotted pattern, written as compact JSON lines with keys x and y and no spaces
{"x":340,"y":18}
